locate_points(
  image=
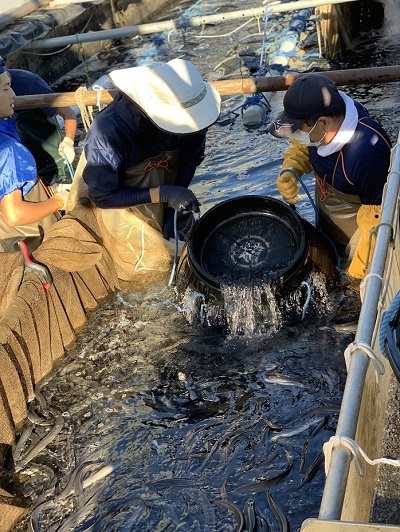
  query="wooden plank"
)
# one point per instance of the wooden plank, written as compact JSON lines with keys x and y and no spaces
{"x":321,"y":525}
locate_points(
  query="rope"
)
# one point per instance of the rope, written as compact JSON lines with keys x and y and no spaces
{"x":365,"y":348}
{"x":257,"y":99}
{"x":171,"y":279}
{"x":224,"y":34}
{"x":364,"y":281}
{"x":356,"y":451}
{"x":373,"y":232}
{"x":69,"y":166}
{"x":388,"y":317}
{"x":140,"y":260}
{"x":297,"y":176}
{"x":98,"y":89}
{"x":85,"y":113}
{"x":305,"y":283}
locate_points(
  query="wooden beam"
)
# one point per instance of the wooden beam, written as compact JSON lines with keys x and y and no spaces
{"x":228,"y":87}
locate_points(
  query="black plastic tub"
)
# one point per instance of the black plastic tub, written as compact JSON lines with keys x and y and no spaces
{"x":252,"y":237}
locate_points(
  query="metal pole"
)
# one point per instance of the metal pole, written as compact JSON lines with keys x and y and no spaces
{"x":179,"y":23}
{"x":224,"y":87}
{"x":335,"y":485}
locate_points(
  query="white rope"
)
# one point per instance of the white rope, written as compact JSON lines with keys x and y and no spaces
{"x":139,"y":268}
{"x":86,"y":113}
{"x":356,"y":451}
{"x":224,"y":34}
{"x":363,"y":346}
{"x":98,"y":89}
{"x":364,"y":281}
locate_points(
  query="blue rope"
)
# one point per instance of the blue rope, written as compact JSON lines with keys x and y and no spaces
{"x":296,"y":175}
{"x":171,"y":279}
{"x":176,"y":256}
{"x":387,"y":317}
{"x":256,"y":99}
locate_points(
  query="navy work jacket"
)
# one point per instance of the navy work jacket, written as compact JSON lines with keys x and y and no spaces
{"x":122,"y":136}
{"x":361,"y":167}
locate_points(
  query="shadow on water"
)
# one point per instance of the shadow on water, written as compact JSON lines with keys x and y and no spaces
{"x":186,"y":417}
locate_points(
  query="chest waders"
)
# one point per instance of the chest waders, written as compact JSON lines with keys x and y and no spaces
{"x":151,"y":173}
{"x":337,"y":213}
{"x":42,"y":135}
{"x":31,"y":233}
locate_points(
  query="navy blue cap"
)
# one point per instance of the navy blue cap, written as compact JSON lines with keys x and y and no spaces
{"x":310,"y":96}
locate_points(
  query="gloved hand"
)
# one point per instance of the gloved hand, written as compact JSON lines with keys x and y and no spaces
{"x":66,"y":149}
{"x":179,"y":198}
{"x":288,"y":187}
{"x":368,"y":216}
{"x":62,"y":195}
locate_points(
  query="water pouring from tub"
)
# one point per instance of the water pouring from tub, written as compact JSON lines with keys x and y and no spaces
{"x":254,"y":265}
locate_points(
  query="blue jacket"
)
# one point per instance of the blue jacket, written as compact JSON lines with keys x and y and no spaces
{"x":122,"y":136}
{"x":17,"y":165}
{"x":361,"y":167}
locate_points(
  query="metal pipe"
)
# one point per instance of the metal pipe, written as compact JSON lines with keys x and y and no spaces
{"x":179,"y":23}
{"x":224,"y":87}
{"x":335,"y":485}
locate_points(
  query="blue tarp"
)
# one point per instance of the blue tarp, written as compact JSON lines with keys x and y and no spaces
{"x":20,"y":33}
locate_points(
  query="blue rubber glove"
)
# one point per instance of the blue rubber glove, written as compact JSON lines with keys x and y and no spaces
{"x":179,"y":198}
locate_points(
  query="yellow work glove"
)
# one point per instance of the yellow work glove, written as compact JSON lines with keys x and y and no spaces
{"x":288,"y":187}
{"x":367,"y":217}
{"x":296,"y":158}
{"x":297,"y":162}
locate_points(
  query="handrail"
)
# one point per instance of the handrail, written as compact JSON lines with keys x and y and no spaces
{"x":335,"y":485}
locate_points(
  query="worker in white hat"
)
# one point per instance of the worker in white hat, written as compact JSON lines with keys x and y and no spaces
{"x":143,"y":149}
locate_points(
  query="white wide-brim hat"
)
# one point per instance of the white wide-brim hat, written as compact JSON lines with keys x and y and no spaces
{"x":173,"y":95}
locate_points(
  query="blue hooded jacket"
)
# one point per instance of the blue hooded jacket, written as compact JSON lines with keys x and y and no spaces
{"x":17,"y":165}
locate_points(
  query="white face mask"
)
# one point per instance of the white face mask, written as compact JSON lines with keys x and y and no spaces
{"x":303,"y":137}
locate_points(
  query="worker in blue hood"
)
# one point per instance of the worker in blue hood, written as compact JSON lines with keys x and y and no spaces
{"x":40,"y":131}
{"x":143,"y":149}
{"x":27,"y":207}
{"x":333,"y":135}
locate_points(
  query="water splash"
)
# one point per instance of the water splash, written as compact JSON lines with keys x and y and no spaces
{"x":391,"y":24}
{"x":251,"y":309}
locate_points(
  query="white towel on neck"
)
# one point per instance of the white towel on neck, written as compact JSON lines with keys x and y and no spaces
{"x":346,"y":130}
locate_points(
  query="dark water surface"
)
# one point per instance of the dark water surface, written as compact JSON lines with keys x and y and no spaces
{"x":177,"y":416}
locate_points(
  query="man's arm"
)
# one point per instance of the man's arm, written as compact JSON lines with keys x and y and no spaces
{"x":69,"y":117}
{"x":17,"y":211}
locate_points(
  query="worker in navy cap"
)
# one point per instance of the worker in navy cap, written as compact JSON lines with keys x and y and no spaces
{"x":27,"y":207}
{"x":334,"y":136}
